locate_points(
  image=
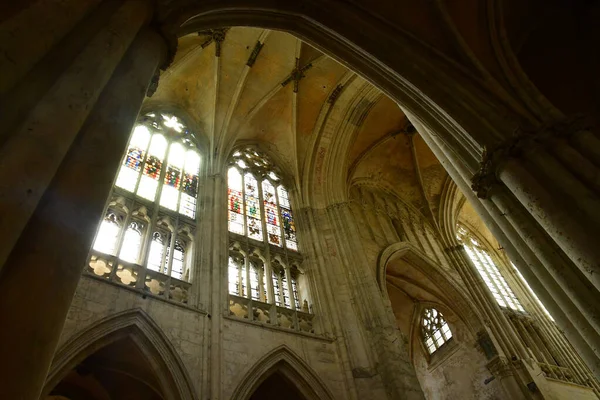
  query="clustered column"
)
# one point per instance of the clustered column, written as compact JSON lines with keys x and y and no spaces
{"x":57,"y":168}
{"x":572,"y":298}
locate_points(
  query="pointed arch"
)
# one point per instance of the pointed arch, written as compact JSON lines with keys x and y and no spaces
{"x":453,"y":293}
{"x":138,"y":326}
{"x":284,"y":361}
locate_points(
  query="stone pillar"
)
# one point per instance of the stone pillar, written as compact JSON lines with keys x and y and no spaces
{"x":556,"y":281}
{"x":32,"y":153}
{"x":40,"y":276}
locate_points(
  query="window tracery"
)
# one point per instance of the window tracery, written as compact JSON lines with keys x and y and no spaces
{"x":489,"y":271}
{"x":263,"y":278}
{"x":258,"y":203}
{"x":150,"y":220}
{"x":434,"y":330}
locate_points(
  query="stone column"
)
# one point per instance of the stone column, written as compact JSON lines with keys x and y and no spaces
{"x":33,"y":152}
{"x":40,"y":276}
{"x":555,"y":280}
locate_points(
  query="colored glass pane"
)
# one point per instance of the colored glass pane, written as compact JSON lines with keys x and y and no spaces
{"x":153,"y":167}
{"x":187,"y":204}
{"x":136,"y":151}
{"x":172,"y":180}
{"x":253,"y":214}
{"x":236,"y":209}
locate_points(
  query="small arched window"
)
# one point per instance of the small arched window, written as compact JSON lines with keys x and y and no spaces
{"x":489,"y":271}
{"x":151,"y":216}
{"x":434,"y":330}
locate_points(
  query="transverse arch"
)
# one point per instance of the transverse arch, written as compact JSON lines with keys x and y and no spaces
{"x":285,"y":362}
{"x":138,"y":326}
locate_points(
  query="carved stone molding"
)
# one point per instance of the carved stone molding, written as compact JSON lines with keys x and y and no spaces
{"x":523,"y":141}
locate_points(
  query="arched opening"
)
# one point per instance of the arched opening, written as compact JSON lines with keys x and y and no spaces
{"x":124,"y":356}
{"x":116,"y":371}
{"x":275,"y":387}
{"x":281,"y":374}
{"x":443,"y":333}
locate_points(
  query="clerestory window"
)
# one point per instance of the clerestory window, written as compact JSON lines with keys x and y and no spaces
{"x":151,"y":215}
{"x":489,"y":271}
{"x":258,"y":203}
{"x":263,"y":255}
{"x":434,"y":330}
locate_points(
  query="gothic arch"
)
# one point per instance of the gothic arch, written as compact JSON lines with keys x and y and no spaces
{"x":284,"y":361}
{"x":145,"y":333}
{"x":454,"y":294}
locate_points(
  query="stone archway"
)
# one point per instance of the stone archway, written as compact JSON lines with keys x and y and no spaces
{"x":137,"y":329}
{"x":413,"y":284}
{"x":284,"y":364}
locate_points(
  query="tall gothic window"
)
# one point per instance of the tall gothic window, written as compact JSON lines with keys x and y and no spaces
{"x":434,"y":330}
{"x":263,"y":254}
{"x":489,"y":271}
{"x":259,"y":204}
{"x":149,"y":224}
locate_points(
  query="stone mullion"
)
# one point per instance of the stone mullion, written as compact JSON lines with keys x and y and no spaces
{"x":529,"y":247}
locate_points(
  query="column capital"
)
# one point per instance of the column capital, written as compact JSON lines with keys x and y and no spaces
{"x":523,"y":141}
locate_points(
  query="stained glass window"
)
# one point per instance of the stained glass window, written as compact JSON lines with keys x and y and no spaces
{"x":144,"y":171}
{"x":435,"y":329}
{"x":255,"y":192}
{"x":253,"y":214}
{"x":260,"y":218}
{"x":156,"y":190}
{"x":235,"y":203}
{"x":489,"y":272}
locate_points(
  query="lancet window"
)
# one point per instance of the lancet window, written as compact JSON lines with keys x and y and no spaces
{"x":151,"y":216}
{"x":434,"y":330}
{"x":489,"y":271}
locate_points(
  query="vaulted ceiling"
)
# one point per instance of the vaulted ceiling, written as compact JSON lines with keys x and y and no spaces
{"x":256,"y":85}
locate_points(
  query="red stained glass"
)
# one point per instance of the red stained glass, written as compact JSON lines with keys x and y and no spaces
{"x":153,"y":167}
{"x":173,"y":177}
{"x":235,"y":201}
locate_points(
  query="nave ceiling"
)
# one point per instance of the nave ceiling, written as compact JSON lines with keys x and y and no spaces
{"x":230,"y":102}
